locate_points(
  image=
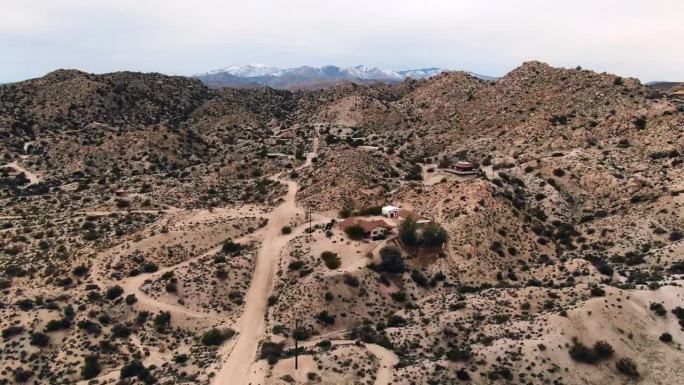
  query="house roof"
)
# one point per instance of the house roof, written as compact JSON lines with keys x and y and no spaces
{"x":367,"y":226}
{"x":463,"y":164}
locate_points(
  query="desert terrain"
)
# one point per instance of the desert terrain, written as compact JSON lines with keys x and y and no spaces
{"x":525,"y":230}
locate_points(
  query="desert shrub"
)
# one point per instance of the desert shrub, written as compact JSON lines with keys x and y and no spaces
{"x":130,"y":299}
{"x":301,"y":333}
{"x":459,"y":353}
{"x":162,"y":321}
{"x":141,"y":318}
{"x":419,"y":278}
{"x":331,"y":260}
{"x":171,"y":287}
{"x":658,"y":308}
{"x":601,"y":266}
{"x":21,"y":375}
{"x":579,"y":352}
{"x":675,"y":235}
{"x":325,"y":318}
{"x":114,"y":292}
{"x":272,"y":300}
{"x":597,"y":291}
{"x":627,"y":366}
{"x":559,"y":172}
{"x":214,"y":337}
{"x":271,"y":351}
{"x":39,"y":339}
{"x":414,"y":173}
{"x":80,"y":270}
{"x":150,"y":267}
{"x":91,"y":367}
{"x":395,"y":320}
{"x":351,"y":280}
{"x":391,"y":260}
{"x":220,"y":273}
{"x":11,"y":331}
{"x":231,"y":247}
{"x":286,"y":230}
{"x":89,"y":327}
{"x":25,"y":304}
{"x":295,"y":265}
{"x":603,"y":349}
{"x":137,"y":369}
{"x":57,"y":324}
{"x":104,"y":319}
{"x":121,"y":331}
{"x":180,"y":358}
{"x":399,"y":296}
{"x":666,"y":337}
{"x":640,"y":122}
{"x":678,"y":312}
{"x":355,"y":232}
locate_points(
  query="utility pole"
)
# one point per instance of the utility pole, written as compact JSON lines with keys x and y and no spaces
{"x":296,"y":342}
{"x":310,"y":226}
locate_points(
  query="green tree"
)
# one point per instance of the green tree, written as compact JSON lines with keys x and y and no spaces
{"x":391,"y":260}
{"x":434,"y":235}
{"x":355,"y":232}
{"x":407,"y":232}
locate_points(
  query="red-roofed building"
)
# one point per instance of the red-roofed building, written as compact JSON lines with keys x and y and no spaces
{"x":375,"y":228}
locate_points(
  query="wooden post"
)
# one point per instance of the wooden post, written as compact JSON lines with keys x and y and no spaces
{"x":296,"y":344}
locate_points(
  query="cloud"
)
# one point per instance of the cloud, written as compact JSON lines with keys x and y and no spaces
{"x":630,"y":37}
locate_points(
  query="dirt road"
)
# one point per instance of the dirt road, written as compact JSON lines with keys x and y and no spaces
{"x":251,"y":325}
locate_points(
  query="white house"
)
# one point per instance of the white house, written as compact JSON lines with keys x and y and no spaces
{"x":390,"y":211}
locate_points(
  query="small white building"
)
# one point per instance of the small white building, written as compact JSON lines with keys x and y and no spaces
{"x":390,"y":211}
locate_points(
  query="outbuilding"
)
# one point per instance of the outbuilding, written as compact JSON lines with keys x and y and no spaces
{"x":390,"y":211}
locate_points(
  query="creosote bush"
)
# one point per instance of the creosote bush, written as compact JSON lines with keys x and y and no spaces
{"x":331,"y":260}
{"x":627,"y":367}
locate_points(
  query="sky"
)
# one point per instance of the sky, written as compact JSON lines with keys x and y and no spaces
{"x":636,"y":38}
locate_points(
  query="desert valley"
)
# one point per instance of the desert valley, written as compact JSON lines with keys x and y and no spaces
{"x":445,"y":230}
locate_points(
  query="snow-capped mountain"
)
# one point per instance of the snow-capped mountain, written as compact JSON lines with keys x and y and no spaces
{"x":309,"y":77}
{"x":421,"y":73}
{"x":372,"y":73}
{"x":247,"y":71}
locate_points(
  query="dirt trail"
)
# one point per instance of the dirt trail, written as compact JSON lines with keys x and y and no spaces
{"x":132,"y":286}
{"x":388,"y":360}
{"x":31,"y":176}
{"x":251,"y":326}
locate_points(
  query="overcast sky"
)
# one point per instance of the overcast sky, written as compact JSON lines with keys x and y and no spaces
{"x":637,"y":38}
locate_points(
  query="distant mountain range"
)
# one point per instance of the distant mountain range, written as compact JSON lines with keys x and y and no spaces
{"x":306,"y":77}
